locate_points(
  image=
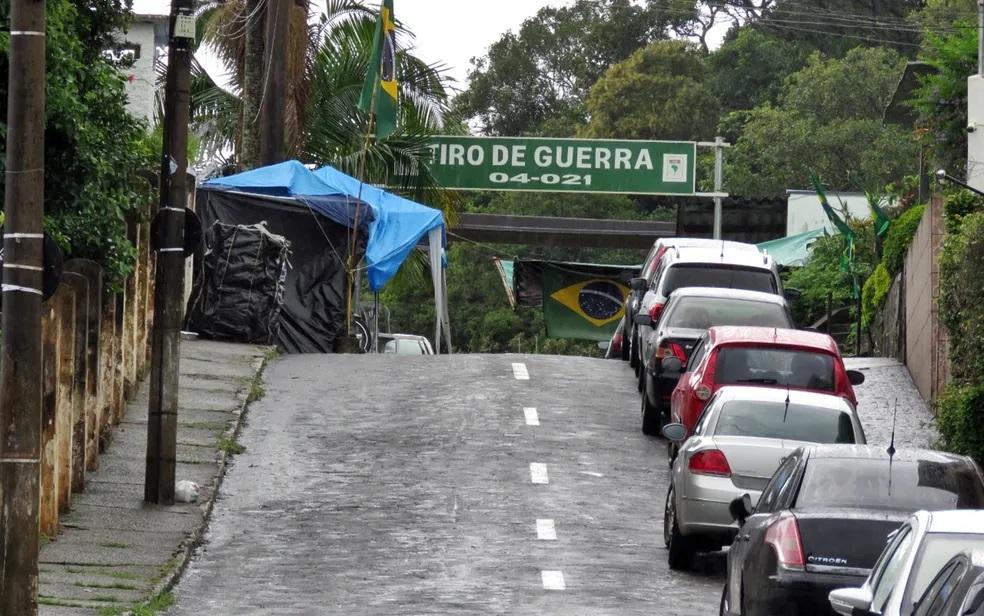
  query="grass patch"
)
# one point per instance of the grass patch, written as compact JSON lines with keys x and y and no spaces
{"x":256,"y":391}
{"x":123,"y":575}
{"x":155,"y":605}
{"x":114,"y":586}
{"x":230,"y":446}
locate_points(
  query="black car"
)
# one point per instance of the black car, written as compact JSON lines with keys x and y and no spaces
{"x":823,"y":519}
{"x":957,"y":590}
{"x":688,"y":314}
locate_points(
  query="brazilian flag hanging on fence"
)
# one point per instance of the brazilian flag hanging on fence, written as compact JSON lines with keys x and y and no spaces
{"x":579,"y":300}
{"x":380,"y":92}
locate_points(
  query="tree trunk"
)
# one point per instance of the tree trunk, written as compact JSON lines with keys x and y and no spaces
{"x":253,"y":81}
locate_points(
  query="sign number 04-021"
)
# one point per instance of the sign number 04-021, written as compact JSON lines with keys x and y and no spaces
{"x":547,"y":179}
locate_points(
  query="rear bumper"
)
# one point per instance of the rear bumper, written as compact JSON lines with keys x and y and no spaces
{"x":804,"y":593}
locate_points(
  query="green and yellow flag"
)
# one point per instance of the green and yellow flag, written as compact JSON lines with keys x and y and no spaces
{"x":581,"y":303}
{"x":380,"y":93}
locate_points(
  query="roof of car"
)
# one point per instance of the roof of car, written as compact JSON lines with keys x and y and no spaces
{"x":757,"y":296}
{"x":402,"y":336}
{"x":713,"y":255}
{"x":777,"y":394}
{"x":693,"y":242}
{"x":880,"y":452}
{"x":731,"y":334}
{"x":957,"y":521}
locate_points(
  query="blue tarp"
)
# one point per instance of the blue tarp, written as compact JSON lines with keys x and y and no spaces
{"x":395,"y":224}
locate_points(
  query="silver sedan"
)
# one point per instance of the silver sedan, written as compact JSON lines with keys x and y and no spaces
{"x":740,"y":440}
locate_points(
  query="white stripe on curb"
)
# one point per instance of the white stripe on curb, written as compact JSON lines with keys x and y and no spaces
{"x":553,"y":580}
{"x":532,"y":419}
{"x":520,"y":372}
{"x":538,"y":472}
{"x":545,"y":530}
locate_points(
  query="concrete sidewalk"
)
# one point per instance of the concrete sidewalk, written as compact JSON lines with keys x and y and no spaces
{"x":116,"y":552}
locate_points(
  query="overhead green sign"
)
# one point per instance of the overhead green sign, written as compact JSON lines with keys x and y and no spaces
{"x":565,"y":165}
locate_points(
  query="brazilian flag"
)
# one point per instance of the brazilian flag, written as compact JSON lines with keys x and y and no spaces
{"x":582,"y":303}
{"x":380,"y":93}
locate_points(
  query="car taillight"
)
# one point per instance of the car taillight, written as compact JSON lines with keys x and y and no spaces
{"x":784,"y":537}
{"x":710,"y":462}
{"x":672,"y":349}
{"x":703,"y":392}
{"x":654,"y":313}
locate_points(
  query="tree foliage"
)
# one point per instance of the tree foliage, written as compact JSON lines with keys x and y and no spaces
{"x":656,"y":93}
{"x":95,"y":152}
{"x":750,"y":67}
{"x":961,"y":300}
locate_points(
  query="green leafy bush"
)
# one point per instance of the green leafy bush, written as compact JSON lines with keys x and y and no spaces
{"x":874,"y":292}
{"x":899,"y":238}
{"x":958,"y":205}
{"x":961,"y":300}
{"x":959,"y":417}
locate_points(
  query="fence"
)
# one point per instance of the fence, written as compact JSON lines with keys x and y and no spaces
{"x":95,"y":351}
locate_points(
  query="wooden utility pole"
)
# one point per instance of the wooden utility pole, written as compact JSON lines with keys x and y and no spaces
{"x":273,"y":109}
{"x":20,"y":362}
{"x":169,"y":292}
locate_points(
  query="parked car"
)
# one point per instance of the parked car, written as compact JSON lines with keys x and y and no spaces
{"x":725,"y":265}
{"x":613,"y":348}
{"x":958,"y":589}
{"x":688,"y":314}
{"x":405,"y":344}
{"x":640,"y":285}
{"x":740,"y":439}
{"x":766,"y":356}
{"x":823,"y":519}
{"x":914,"y":555}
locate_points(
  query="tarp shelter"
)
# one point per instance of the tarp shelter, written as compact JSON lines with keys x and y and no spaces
{"x":792,"y":251}
{"x":314,"y":211}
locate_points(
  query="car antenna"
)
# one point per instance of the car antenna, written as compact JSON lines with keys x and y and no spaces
{"x":891,"y":448}
{"x":786,"y":412}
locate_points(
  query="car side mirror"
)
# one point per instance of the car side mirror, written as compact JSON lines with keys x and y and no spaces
{"x":671,"y":365}
{"x":675,"y":432}
{"x":638,"y":284}
{"x":604,"y":344}
{"x":741,"y":508}
{"x":643,"y":319}
{"x":792,"y":295}
{"x":851,"y":601}
{"x":855,"y":377}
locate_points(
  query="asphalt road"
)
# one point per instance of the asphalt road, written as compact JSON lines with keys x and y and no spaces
{"x":394,"y":485}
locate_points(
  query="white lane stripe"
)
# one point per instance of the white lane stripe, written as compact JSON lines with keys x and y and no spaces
{"x":520,"y":372}
{"x":532,"y":419}
{"x":545,"y":530}
{"x":553,"y":580}
{"x":538,"y":472}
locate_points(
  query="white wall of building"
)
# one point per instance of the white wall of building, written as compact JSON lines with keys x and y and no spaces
{"x":804,"y":212}
{"x":144,"y":33}
{"x":975,"y":134}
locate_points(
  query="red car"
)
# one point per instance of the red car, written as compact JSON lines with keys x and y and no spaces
{"x":762,"y":356}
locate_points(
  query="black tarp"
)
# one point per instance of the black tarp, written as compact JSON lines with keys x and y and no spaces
{"x":313,"y":312}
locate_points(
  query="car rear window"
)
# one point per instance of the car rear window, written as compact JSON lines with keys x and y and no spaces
{"x":683,"y":275}
{"x":903,"y":485}
{"x":936,"y":550}
{"x":739,"y":365}
{"x":707,"y":312}
{"x":798,"y":422}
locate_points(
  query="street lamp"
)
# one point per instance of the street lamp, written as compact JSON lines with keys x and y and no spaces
{"x":942,"y":176}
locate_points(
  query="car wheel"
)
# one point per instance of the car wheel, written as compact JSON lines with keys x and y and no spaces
{"x":633,"y":355}
{"x":668,"y":516}
{"x":652,"y":423}
{"x":671,"y":453}
{"x":725,"y":608}
{"x":625,"y":345}
{"x":680,"y":548}
{"x":641,"y":378}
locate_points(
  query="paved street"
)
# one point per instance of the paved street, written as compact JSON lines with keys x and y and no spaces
{"x":393,"y":485}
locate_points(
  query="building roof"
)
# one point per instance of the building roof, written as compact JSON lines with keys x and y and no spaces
{"x":898,"y":111}
{"x":771,"y":336}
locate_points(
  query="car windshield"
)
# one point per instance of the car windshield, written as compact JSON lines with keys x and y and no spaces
{"x":799,"y":422}
{"x":774,"y":366}
{"x":904,"y":485}
{"x":718,"y":276}
{"x":707,"y":312}
{"x":937,"y":549}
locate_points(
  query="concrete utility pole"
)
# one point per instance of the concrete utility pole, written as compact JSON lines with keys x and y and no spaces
{"x":20,"y":365}
{"x":273,"y":109}
{"x":169,"y":291}
{"x":975,"y":112}
{"x":718,"y":184}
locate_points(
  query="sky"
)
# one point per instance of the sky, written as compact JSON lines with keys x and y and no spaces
{"x":448,"y":31}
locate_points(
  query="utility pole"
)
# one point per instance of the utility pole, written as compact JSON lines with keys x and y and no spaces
{"x":169,"y":291}
{"x":980,"y":37}
{"x":20,"y":363}
{"x":718,"y":184}
{"x":273,"y":109}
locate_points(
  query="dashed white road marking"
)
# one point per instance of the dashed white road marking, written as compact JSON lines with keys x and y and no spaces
{"x":591,"y":473}
{"x":520,"y":372}
{"x":553,"y":580}
{"x":545,"y":530}
{"x":532,"y":419}
{"x":538,"y":472}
